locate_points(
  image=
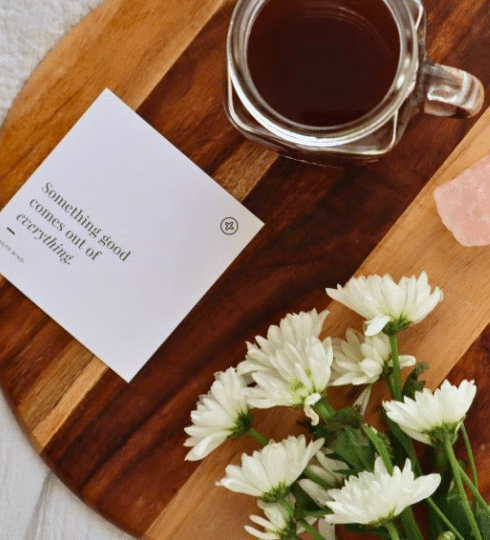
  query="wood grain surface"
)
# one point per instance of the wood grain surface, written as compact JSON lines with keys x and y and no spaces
{"x":119,"y":446}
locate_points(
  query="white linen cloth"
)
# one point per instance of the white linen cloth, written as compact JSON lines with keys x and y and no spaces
{"x":34,"y":504}
{"x":28,"y":30}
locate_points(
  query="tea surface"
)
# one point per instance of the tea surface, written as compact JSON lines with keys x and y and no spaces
{"x":323,"y":62}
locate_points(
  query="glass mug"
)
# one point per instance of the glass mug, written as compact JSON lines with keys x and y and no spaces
{"x":416,"y":84}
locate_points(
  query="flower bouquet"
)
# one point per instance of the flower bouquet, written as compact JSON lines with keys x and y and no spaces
{"x":349,"y":476}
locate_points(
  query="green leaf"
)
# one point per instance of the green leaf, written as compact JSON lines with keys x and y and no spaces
{"x":401,"y":444}
{"x":303,"y":502}
{"x":379,"y":531}
{"x":345,"y":472}
{"x":348,"y":416}
{"x":452,"y":508}
{"x":483,"y":521}
{"x":435,"y":525}
{"x":412,"y":384}
{"x":343,"y":435}
{"x":382,"y":446}
{"x":354,"y":448}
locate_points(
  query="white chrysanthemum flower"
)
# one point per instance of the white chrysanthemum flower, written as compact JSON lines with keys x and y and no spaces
{"x":221,"y":413}
{"x":269,"y":473}
{"x":297,"y":376}
{"x":431,"y":414}
{"x":293,"y":328}
{"x":327,"y":469}
{"x":277,"y":523}
{"x":374,"y":498}
{"x":362,"y":360}
{"x":383,"y":302}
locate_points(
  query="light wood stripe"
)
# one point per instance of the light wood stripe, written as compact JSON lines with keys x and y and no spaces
{"x":237,"y":176}
{"x":52,"y":383}
{"x":73,"y":396}
{"x":417,"y":241}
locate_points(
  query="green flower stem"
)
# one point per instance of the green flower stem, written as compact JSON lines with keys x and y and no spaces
{"x":287,"y":506}
{"x":443,"y":518}
{"x":306,"y":526}
{"x":471,"y":457}
{"x":459,"y":485}
{"x":388,"y":383}
{"x":410,"y":525}
{"x":324,"y":410}
{"x":474,"y":490}
{"x":263,"y":441}
{"x":471,"y":461}
{"x":315,"y":533}
{"x":392,"y":531}
{"x":395,"y":360}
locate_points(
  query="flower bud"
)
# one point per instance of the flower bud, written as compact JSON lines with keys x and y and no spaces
{"x":448,"y":535}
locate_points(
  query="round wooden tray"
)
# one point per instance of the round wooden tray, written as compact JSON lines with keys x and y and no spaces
{"x":119,"y":446}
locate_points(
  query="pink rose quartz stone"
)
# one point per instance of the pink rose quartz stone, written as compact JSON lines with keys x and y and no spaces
{"x":464,"y":205}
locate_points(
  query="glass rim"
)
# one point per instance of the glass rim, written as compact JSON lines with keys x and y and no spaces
{"x":404,"y":80}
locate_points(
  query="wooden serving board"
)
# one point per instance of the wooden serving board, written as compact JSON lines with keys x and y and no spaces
{"x":119,"y":446}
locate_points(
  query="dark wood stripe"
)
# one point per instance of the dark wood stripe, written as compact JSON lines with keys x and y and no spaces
{"x":29,"y":341}
{"x":451,"y":24}
{"x":156,"y":451}
{"x":90,"y":408}
{"x":19,"y":320}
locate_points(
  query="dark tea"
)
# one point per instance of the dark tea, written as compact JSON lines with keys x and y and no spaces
{"x":323,"y":62}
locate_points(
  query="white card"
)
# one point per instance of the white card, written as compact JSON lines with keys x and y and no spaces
{"x":117,"y":235}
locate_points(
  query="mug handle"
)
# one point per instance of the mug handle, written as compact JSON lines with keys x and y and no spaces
{"x":448,"y":91}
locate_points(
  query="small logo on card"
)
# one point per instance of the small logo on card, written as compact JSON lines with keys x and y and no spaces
{"x":229,"y":225}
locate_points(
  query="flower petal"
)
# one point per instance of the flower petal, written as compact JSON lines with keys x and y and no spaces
{"x":376,"y":324}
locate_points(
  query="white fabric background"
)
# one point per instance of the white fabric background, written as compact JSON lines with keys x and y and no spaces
{"x":28,"y":30}
{"x":34,"y":505}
